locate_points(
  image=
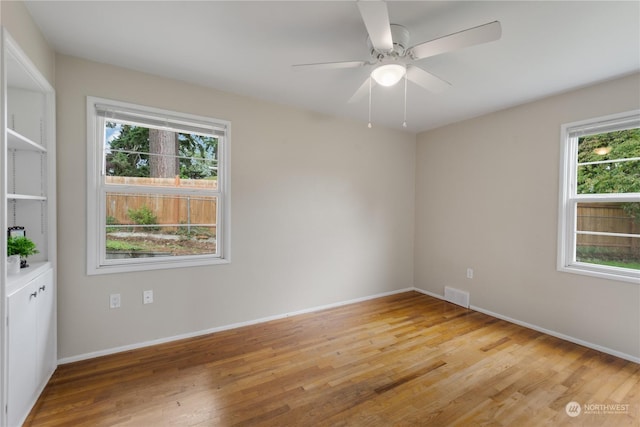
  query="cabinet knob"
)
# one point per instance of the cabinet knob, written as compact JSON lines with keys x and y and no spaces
{"x":33,"y":295}
{"x":42,"y":288}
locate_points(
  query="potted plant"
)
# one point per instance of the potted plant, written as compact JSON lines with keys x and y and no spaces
{"x":21,"y":246}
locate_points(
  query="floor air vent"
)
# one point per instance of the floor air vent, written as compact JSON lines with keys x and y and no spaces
{"x":456,"y":296}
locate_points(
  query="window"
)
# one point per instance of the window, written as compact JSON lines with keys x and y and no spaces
{"x":157,"y":188}
{"x":599,"y":224}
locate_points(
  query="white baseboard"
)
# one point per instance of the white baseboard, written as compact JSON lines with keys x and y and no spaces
{"x":559,"y":335}
{"x":431,"y":294}
{"x":543,"y":330}
{"x":339,"y":304}
{"x":120,"y":349}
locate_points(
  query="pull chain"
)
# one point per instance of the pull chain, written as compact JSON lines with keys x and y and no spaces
{"x":369,"y":126}
{"x":404,"y":124}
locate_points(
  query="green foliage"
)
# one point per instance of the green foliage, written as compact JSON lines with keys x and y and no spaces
{"x":128,"y":153}
{"x":632,"y":209}
{"x":112,"y":221}
{"x":22,"y":246}
{"x":134,"y":162}
{"x":607,"y":255}
{"x":198,"y":151}
{"x":116,"y":245}
{"x":143,"y":216}
{"x":623,"y":177}
{"x":195,"y":231}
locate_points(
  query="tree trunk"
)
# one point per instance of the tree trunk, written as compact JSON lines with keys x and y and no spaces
{"x":163,"y":150}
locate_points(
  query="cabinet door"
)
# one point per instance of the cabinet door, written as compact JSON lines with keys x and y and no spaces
{"x":45,"y":329}
{"x":22,"y":311}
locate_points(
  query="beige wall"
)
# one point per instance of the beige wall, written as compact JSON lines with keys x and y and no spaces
{"x":16,"y":19}
{"x":487,"y":198}
{"x":322,"y":212}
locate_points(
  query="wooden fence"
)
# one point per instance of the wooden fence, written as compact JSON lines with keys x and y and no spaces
{"x":196,"y":210}
{"x":609,"y":218}
{"x":210,"y":184}
{"x":167,"y":209}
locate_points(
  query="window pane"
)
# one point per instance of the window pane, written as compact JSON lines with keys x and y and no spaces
{"x":152,"y":225}
{"x":133,"y":151}
{"x":616,"y":238}
{"x":608,"y":163}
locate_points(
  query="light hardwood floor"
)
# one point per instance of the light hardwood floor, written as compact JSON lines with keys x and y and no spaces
{"x":402,"y":360}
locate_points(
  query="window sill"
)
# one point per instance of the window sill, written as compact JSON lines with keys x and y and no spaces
{"x":147,"y":266}
{"x":602,"y":272}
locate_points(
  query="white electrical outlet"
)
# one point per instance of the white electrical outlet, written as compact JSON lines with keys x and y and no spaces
{"x":114,"y":301}
{"x":469,"y":273}
{"x":147,"y":297}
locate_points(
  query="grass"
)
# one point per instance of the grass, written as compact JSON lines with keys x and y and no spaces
{"x":622,"y":264}
{"x":117,"y":245}
{"x":622,"y":257}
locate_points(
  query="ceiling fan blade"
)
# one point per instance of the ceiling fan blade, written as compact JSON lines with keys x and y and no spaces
{"x":376,"y":18}
{"x":426,"y":80}
{"x":362,"y":90}
{"x":472,"y":36}
{"x":331,"y":65}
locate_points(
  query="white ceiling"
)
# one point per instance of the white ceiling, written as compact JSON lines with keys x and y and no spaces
{"x":248,"y":48}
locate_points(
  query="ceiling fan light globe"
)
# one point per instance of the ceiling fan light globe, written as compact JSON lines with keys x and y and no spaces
{"x":388,"y":74}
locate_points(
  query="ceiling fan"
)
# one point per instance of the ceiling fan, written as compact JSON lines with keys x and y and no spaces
{"x":392,"y":55}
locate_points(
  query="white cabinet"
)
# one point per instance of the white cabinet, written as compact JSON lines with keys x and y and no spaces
{"x":27,"y":188}
{"x":31,"y":344}
{"x":46,"y":346}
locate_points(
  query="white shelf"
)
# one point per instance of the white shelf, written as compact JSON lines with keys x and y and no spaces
{"x":26,"y":197}
{"x":16,"y":281}
{"x":15,"y":141}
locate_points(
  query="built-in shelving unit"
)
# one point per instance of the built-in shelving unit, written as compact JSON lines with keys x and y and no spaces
{"x":27,"y":150}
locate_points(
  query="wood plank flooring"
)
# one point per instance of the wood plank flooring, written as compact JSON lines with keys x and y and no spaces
{"x":402,"y":360}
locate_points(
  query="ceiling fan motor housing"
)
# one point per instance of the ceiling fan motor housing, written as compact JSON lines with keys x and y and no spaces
{"x":400,"y":37}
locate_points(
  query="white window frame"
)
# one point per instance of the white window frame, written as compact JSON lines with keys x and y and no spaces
{"x":97,"y":189}
{"x":569,"y":199}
